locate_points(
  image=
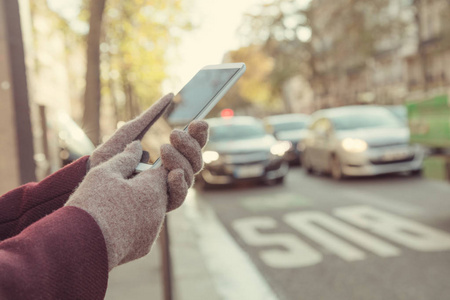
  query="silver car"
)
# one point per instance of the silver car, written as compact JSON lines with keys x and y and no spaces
{"x":359,"y":141}
{"x":240,"y":149}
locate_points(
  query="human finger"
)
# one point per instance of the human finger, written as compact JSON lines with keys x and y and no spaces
{"x":178,"y":189}
{"x":172,"y":159}
{"x":199,"y":130}
{"x":130,"y":131}
{"x":189,"y":147}
{"x":125,"y":162}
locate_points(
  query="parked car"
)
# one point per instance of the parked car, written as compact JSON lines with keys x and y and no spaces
{"x":291,"y":128}
{"x":359,"y":141}
{"x":71,"y":140}
{"x":240,"y":149}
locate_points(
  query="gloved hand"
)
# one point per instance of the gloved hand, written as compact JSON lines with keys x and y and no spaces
{"x":131,"y":131}
{"x":130,"y":210}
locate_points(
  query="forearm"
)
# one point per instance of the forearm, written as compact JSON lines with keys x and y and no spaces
{"x":29,"y":203}
{"x":62,"y":256}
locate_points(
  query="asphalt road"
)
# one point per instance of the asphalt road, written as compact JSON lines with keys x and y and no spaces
{"x":384,"y":238}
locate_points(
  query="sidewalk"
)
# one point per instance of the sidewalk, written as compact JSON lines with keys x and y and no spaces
{"x":206,"y":262}
{"x":142,"y":279}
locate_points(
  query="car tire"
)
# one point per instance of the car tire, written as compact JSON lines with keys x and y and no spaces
{"x":336,"y":168}
{"x":416,"y":173}
{"x":272,"y":182}
{"x":280,"y":180}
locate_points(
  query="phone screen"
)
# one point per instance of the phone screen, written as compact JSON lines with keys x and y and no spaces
{"x":192,"y":99}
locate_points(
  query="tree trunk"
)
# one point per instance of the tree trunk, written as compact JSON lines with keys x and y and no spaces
{"x":91,"y":117}
{"x":420,"y":45}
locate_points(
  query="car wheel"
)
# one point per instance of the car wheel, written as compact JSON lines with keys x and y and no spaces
{"x":336,"y":168}
{"x":280,"y":180}
{"x":416,"y":172}
{"x":272,"y":182}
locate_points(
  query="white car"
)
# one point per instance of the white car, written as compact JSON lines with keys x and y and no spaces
{"x":359,"y":141}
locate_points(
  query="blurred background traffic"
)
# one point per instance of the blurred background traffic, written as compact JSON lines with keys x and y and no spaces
{"x":300,"y":60}
{"x":343,"y":102}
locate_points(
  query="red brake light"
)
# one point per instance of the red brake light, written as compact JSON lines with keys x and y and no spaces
{"x":227,"y":113}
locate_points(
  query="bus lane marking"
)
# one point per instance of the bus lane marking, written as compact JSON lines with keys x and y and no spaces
{"x":335,"y":234}
{"x":297,"y":253}
{"x":408,"y":233}
{"x":308,"y":222}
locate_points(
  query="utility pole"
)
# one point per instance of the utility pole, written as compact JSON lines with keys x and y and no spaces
{"x":166,"y":268}
{"x":17,"y":164}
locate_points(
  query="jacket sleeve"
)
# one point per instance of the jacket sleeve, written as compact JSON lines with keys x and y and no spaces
{"x":61,"y":256}
{"x":29,"y":203}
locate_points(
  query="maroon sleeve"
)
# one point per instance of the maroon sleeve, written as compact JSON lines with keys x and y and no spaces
{"x":25,"y":205}
{"x":61,"y":256}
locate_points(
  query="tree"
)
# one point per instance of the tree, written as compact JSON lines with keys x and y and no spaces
{"x":253,"y":89}
{"x":280,"y":28}
{"x":134,"y":51}
{"x":322,"y":40}
{"x":126,"y":53}
{"x":91,"y":117}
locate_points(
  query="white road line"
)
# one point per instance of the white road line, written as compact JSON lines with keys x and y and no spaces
{"x":234,"y":274}
{"x":396,"y":206}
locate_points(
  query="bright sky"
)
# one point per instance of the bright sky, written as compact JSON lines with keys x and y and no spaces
{"x":216,"y":34}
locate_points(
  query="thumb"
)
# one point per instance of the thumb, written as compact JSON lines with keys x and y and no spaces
{"x":125,"y":162}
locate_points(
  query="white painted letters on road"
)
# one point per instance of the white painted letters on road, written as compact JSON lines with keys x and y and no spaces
{"x":337,"y":236}
{"x":296,"y":254}
{"x":310,"y":224}
{"x":400,"y":230}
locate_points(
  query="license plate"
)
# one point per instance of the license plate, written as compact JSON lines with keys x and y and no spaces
{"x":396,"y":155}
{"x":249,"y":171}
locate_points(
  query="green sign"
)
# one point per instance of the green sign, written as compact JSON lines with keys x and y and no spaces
{"x":429,"y":121}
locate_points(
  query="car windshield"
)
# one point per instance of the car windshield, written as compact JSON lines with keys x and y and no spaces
{"x":236,"y":132}
{"x":400,"y":112}
{"x":365,"y":119}
{"x":289,"y":126}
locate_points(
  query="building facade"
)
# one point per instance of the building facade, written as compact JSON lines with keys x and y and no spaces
{"x":365,"y":55}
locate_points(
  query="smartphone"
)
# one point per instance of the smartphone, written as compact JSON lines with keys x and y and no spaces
{"x":193,"y":102}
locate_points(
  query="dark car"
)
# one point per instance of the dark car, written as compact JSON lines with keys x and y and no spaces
{"x":240,"y":149}
{"x":291,"y":128}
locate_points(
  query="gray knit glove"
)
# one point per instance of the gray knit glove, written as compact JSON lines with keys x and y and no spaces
{"x":130,"y":210}
{"x":131,"y":131}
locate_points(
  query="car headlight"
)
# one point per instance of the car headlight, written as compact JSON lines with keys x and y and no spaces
{"x":210,"y":156}
{"x":301,"y":146}
{"x":354,"y":145}
{"x":280,"y":148}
